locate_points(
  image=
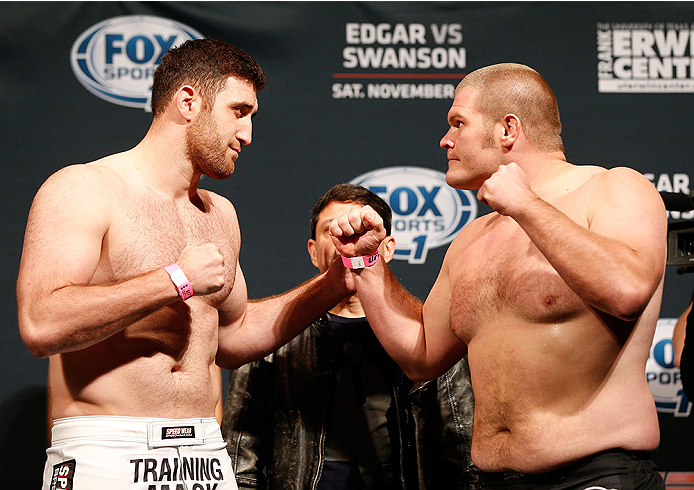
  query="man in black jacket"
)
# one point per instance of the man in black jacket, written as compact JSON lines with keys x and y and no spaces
{"x":331,"y":410}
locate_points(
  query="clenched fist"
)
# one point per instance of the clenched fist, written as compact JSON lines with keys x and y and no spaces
{"x":358,"y":233}
{"x":204,"y":267}
{"x":507,"y":190}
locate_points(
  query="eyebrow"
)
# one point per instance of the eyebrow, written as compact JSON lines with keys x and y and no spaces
{"x":460,"y":113}
{"x":455,"y":117}
{"x":244,"y":105}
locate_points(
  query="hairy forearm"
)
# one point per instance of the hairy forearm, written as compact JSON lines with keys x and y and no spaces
{"x":396,"y":318}
{"x":271,"y":322}
{"x":75,"y":317}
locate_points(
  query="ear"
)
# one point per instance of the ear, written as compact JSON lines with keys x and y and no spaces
{"x":312,"y":251}
{"x":387,"y":248}
{"x":510,"y":130}
{"x":187,"y":102}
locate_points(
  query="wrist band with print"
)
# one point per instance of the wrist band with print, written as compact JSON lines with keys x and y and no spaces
{"x":178,"y":277}
{"x":361,"y":262}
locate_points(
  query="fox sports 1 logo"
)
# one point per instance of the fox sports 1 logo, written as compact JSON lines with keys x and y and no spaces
{"x":662,"y":375}
{"x":115,"y":59}
{"x":427,"y":212}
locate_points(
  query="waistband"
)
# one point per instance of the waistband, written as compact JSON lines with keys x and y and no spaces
{"x":156,"y":432}
{"x":515,"y":477}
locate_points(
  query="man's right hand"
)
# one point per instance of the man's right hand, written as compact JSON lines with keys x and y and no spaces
{"x":204,"y":267}
{"x":358,"y":233}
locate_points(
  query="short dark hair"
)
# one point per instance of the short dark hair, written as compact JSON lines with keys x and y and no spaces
{"x":352,"y":193}
{"x":206,"y":64}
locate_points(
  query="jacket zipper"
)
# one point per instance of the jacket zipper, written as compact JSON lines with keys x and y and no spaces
{"x":327,"y":381}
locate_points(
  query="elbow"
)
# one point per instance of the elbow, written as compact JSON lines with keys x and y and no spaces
{"x":35,"y":345}
{"x":418,"y":374}
{"x":37,"y":330}
{"x":226,"y":360}
{"x":426,"y":368}
{"x":631,"y":302}
{"x":36,"y":339}
{"x":223,"y":361}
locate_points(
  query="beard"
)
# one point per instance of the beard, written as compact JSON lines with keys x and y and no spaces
{"x":488,"y":140}
{"x":205,"y":149}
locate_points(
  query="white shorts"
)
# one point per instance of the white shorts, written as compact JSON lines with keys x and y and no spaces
{"x":133,"y":453}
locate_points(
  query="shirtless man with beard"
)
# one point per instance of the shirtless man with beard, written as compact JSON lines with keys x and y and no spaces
{"x":554,"y":296}
{"x":130,"y":284}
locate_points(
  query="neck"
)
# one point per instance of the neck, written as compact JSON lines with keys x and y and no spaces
{"x":349,"y":308}
{"x":162,"y":161}
{"x":541,"y":167}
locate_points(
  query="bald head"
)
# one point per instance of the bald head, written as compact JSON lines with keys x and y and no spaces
{"x":510,"y":88}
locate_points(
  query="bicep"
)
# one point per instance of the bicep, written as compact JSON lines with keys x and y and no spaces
{"x":63,"y":240}
{"x":627,"y":208}
{"x":231,"y":315}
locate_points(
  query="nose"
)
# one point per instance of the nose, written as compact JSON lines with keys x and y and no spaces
{"x":245,"y":132}
{"x":446,"y":142}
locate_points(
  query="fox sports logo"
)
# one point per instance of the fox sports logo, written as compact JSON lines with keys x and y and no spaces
{"x":662,"y":375}
{"x":427,"y":212}
{"x":115,"y":59}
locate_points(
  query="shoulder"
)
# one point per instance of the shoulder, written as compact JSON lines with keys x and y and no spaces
{"x":617,"y":176}
{"x":475,"y":229}
{"x":624,"y":197}
{"x":217,"y":199}
{"x":472,"y":232}
{"x":85,"y":192}
{"x":71,"y":175}
{"x":74,"y":184}
{"x":219,"y":204}
{"x":621,"y":183}
{"x":93,"y":178}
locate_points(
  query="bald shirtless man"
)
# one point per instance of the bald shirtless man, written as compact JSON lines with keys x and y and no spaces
{"x":554,"y":296}
{"x":130,"y":283}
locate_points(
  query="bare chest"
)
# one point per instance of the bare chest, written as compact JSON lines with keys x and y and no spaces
{"x":500,"y":275}
{"x":147,"y":234}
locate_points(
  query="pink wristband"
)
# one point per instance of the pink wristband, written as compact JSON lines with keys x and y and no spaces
{"x":362,"y":261}
{"x":185,"y":290}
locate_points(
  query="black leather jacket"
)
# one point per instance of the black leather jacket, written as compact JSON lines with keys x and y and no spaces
{"x":442,"y":412}
{"x":276,"y":414}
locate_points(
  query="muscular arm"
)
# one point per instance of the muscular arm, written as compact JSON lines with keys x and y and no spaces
{"x":417,"y":336}
{"x":616,"y":261}
{"x":62,"y":306}
{"x":250,"y":330}
{"x":58,"y":309}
